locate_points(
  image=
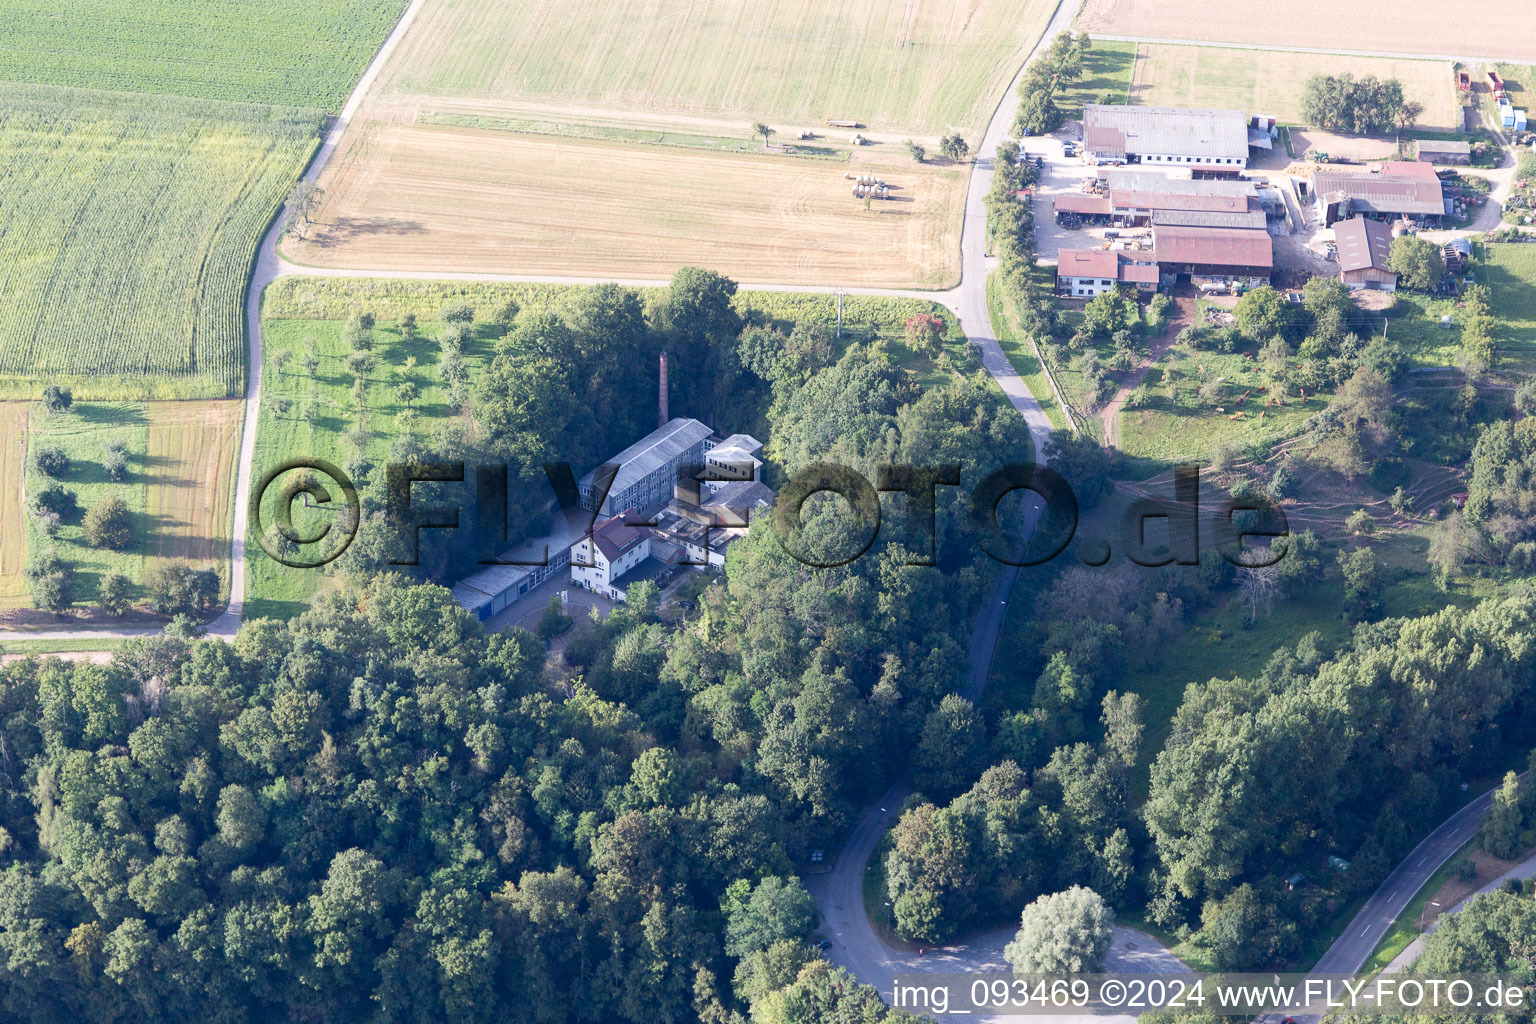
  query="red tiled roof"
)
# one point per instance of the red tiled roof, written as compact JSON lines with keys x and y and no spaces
{"x":1076,"y":203}
{"x":1410,"y":169}
{"x":615,"y":536}
{"x":1104,"y":264}
{"x":1077,"y":263}
{"x":1222,"y":247}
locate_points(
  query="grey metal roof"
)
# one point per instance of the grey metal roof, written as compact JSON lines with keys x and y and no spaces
{"x":652,"y":452}
{"x":1444,"y":146}
{"x":1209,"y":218}
{"x":1176,"y":131}
{"x":1162,"y":184}
{"x":496,"y":579}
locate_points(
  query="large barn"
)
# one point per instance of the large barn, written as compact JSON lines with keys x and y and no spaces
{"x":1242,"y":255}
{"x":1166,"y":136}
{"x":1400,"y":189}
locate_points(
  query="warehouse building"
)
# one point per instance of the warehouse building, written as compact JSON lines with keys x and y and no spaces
{"x":1201,"y":140}
{"x":648,"y":469}
{"x":1430,"y":151}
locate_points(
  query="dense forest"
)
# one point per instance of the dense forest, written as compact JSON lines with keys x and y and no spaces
{"x":377,"y":812}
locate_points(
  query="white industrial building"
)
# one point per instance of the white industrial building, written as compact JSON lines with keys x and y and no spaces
{"x":1166,"y":136}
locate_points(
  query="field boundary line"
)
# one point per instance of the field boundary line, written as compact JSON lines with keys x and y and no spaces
{"x":1324,"y":51}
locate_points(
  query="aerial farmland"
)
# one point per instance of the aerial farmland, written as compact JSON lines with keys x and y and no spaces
{"x":642,"y":116}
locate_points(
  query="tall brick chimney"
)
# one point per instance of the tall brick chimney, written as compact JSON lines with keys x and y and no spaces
{"x":663,"y":396}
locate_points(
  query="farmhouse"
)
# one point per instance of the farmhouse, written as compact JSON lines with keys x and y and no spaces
{"x":1089,"y":273}
{"x":615,"y":557}
{"x":1364,"y":246}
{"x":648,"y":468}
{"x":1242,"y":255}
{"x":1400,"y":189}
{"x":1454,"y":152}
{"x":1172,"y":136}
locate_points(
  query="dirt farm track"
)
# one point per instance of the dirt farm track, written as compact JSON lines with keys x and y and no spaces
{"x":1493,"y":28}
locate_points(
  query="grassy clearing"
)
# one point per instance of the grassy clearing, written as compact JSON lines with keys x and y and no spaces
{"x":299,"y":52}
{"x":640,"y":136}
{"x":1511,"y":273}
{"x":81,"y":433}
{"x":1107,"y":73}
{"x":1010,"y":335}
{"x":38,"y":647}
{"x":1270,"y":81}
{"x":434,"y":198}
{"x":891,"y":64}
{"x":1175,"y":424}
{"x":128,"y":226}
{"x":280,"y":591}
{"x":13,"y":516}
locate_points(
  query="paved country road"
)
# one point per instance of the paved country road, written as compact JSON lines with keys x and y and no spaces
{"x":1350,"y":951}
{"x":840,"y":891}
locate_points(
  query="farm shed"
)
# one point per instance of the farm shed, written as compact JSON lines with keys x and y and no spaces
{"x":1400,"y":189}
{"x":490,"y":590}
{"x":1245,"y":255}
{"x":1431,"y":151}
{"x":1364,"y":246}
{"x":1170,"y":136}
{"x":1084,"y":274}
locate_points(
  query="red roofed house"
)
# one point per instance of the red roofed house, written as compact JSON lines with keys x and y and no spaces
{"x":1088,"y":273}
{"x":1245,"y":255}
{"x":613,"y":557}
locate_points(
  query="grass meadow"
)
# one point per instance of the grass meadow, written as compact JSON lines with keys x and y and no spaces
{"x":180,"y":489}
{"x":1271,"y":81}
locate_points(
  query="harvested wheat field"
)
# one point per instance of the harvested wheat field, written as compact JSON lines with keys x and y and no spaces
{"x":431,"y":198}
{"x":13,"y":530}
{"x":1271,"y":81}
{"x":190,"y":459}
{"x":1472,"y":28}
{"x":919,"y":66}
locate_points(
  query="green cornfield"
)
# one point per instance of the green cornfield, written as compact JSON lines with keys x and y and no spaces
{"x":128,"y":225}
{"x":303,"y":53}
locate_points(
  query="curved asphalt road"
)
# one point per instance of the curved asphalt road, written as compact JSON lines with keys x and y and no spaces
{"x":840,"y":891}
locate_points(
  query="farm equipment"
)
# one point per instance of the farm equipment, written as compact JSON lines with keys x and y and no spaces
{"x":837,"y":122}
